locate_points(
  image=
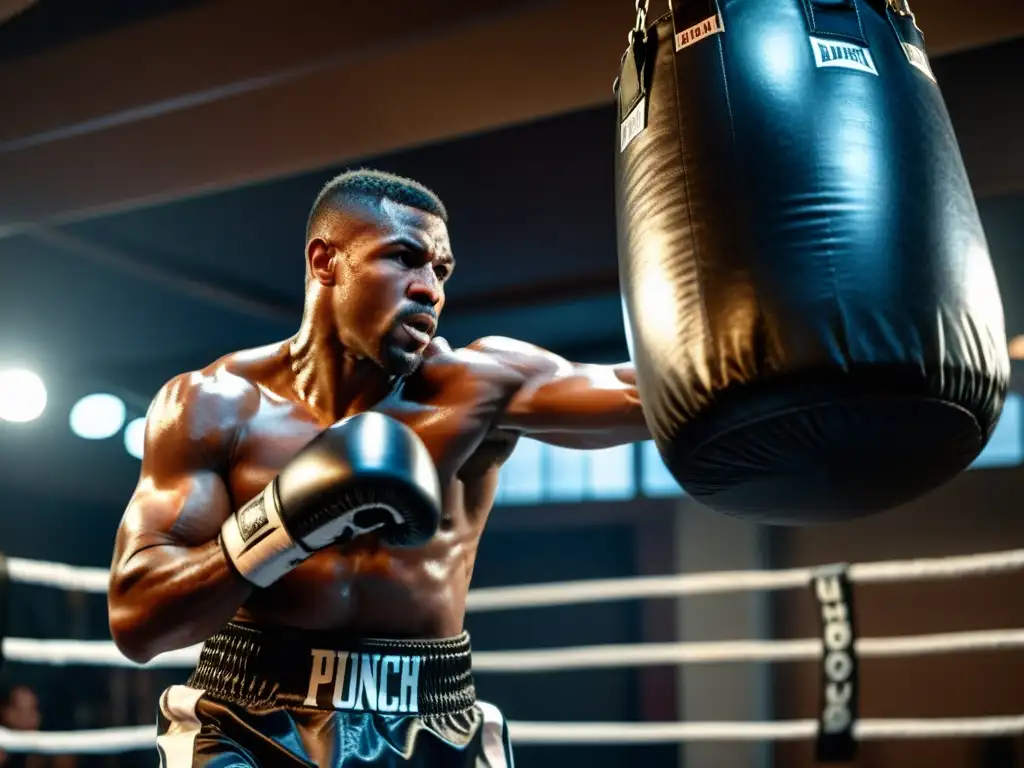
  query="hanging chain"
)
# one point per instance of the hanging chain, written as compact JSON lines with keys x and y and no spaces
{"x":642,"y":6}
{"x":901,"y":7}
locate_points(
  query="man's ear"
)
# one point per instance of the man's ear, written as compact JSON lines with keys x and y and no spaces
{"x":320,"y":261}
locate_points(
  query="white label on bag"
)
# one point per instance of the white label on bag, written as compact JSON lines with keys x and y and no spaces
{"x":633,"y":125}
{"x":836,"y":53}
{"x":919,"y":59}
{"x":696,"y":33}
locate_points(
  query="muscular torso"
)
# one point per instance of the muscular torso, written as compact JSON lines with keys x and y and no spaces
{"x":365,"y":588}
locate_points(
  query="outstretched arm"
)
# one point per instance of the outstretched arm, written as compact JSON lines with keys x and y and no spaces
{"x":575,"y":405}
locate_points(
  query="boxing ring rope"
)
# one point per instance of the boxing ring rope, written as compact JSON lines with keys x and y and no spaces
{"x":113,"y":740}
{"x":95,"y":580}
{"x":105,"y":654}
{"x":723,"y":582}
{"x":58,"y":575}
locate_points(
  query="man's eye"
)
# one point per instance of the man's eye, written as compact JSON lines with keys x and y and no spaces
{"x":408,"y":258}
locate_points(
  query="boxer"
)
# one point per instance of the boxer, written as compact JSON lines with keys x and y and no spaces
{"x":310,"y":510}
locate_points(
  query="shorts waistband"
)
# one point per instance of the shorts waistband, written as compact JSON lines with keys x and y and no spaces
{"x":261,"y":668}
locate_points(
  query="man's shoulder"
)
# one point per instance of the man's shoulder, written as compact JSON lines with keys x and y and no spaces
{"x":503,"y":345}
{"x":205,"y":388}
{"x":521,"y":355}
{"x":479,"y":356}
{"x":218,"y":396}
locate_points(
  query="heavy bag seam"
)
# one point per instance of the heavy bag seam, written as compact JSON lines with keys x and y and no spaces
{"x":686,"y":183}
{"x":793,"y":409}
{"x":860,"y":24}
{"x":740,"y":178}
{"x":829,"y":239}
{"x":809,"y":6}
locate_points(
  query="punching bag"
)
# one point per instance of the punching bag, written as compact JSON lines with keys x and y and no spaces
{"x":812,"y":308}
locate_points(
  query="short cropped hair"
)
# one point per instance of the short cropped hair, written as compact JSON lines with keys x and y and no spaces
{"x":368,"y":187}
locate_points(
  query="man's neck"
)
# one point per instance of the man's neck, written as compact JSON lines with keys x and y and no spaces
{"x":329,"y":377}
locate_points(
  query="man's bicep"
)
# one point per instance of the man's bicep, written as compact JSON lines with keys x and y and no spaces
{"x":542,"y":368}
{"x":580,"y":398}
{"x":181,"y":497}
{"x":559,"y":396}
{"x":184,"y":511}
{"x":590,"y":399}
{"x":532,"y":362}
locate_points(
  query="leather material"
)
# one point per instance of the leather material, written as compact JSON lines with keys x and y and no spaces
{"x":366,"y":474}
{"x":811,"y":305}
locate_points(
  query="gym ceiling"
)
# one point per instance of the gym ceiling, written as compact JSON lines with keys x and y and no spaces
{"x":157,"y":161}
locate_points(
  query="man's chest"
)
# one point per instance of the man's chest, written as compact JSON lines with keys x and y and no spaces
{"x":265,"y":442}
{"x":278,"y":430}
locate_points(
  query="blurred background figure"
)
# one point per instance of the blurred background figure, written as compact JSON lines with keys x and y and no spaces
{"x":20,"y":710}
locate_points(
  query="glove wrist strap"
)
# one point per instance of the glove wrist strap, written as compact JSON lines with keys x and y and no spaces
{"x":256,"y":542}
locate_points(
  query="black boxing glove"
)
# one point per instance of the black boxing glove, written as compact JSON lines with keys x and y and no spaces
{"x":368,"y":473}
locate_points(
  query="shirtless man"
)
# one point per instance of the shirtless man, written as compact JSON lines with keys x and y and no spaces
{"x":310,"y":511}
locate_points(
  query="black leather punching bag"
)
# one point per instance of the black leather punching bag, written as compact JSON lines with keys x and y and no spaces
{"x":813,"y":312}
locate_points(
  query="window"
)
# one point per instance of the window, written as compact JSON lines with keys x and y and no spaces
{"x":566,"y":474}
{"x":521,"y":479}
{"x":537,"y":472}
{"x":611,"y":474}
{"x":1006,"y":448}
{"x":655,"y":479}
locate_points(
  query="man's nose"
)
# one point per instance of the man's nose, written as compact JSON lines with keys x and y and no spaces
{"x":425,"y":290}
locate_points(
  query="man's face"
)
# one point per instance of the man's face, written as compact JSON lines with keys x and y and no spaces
{"x":389,"y":289}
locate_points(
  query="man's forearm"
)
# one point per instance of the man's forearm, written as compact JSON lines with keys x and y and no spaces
{"x":167,"y":597}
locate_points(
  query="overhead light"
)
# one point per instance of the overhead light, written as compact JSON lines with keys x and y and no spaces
{"x":135,"y":436}
{"x":22,"y":395}
{"x":97,"y":417}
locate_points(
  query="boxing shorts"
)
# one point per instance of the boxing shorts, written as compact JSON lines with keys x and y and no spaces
{"x":262,"y":697}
